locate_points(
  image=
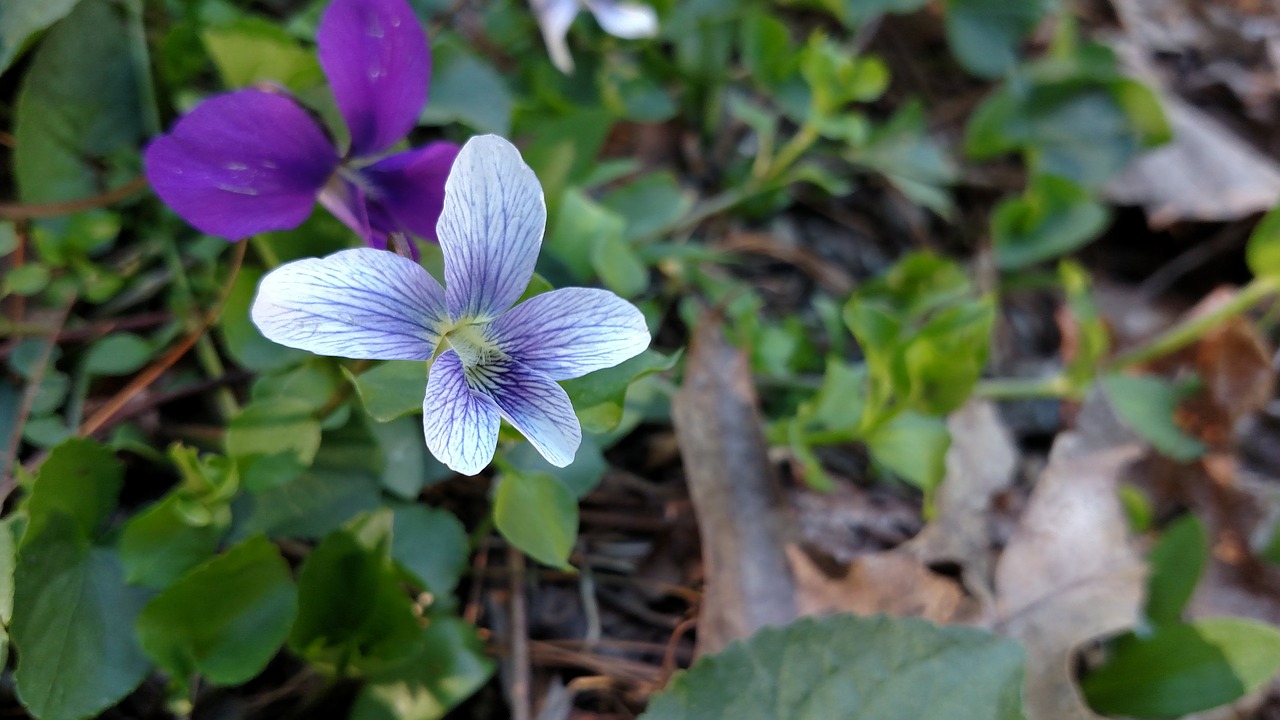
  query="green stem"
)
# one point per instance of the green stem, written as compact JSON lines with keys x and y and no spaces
{"x":206,"y":353}
{"x":1054,"y":386}
{"x":792,"y":151}
{"x":1192,"y":329}
{"x":264,"y":251}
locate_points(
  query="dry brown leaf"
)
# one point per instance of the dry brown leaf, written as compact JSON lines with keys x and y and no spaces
{"x":980,"y":463}
{"x":1206,"y":173}
{"x":735,"y":494}
{"x":892,"y":583}
{"x":1069,"y":574}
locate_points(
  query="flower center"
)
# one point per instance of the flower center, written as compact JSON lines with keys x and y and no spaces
{"x":472,"y":346}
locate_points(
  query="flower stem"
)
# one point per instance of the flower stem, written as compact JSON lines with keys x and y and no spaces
{"x":1054,"y":386}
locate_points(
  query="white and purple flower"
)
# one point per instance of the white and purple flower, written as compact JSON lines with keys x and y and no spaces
{"x":489,"y":360}
{"x":253,"y":161}
{"x":619,"y":18}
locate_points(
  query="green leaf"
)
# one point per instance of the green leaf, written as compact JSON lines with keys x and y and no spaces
{"x":598,"y":397}
{"x":160,"y":544}
{"x":431,"y":545}
{"x":73,"y":624}
{"x":466,"y":89}
{"x":266,"y":427}
{"x":650,"y":205}
{"x":341,"y":482}
{"x":913,"y":446}
{"x":449,"y":667}
{"x":225,"y":619}
{"x":1147,"y":405}
{"x":407,"y":465}
{"x":8,"y":569}
{"x":616,"y":263}
{"x":392,"y":389}
{"x":314,"y":382}
{"x":767,"y":52}
{"x":79,"y":109}
{"x":1263,"y":252}
{"x":352,"y":611}
{"x":1053,"y":217}
{"x":242,"y":339}
{"x":840,"y":401}
{"x":537,"y":514}
{"x":845,"y":666}
{"x":1184,"y":668}
{"x":26,"y":280}
{"x":21,"y":21}
{"x":917,"y":165}
{"x":117,"y":354}
{"x":580,"y":226}
{"x":79,"y":481}
{"x":1176,"y":563}
{"x":251,"y":50}
{"x":985,"y":34}
{"x":581,"y":476}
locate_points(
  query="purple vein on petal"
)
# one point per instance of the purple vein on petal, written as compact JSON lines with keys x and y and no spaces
{"x":460,"y":426}
{"x":534,"y":404}
{"x":570,"y":332}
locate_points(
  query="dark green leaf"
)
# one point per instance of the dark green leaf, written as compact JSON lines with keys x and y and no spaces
{"x":650,"y":204}
{"x":465,"y":88}
{"x":79,"y":109}
{"x":1184,"y":668}
{"x":73,"y":624}
{"x":117,"y":354}
{"x":581,"y":476}
{"x":537,"y":514}
{"x":1053,"y":217}
{"x":451,"y":664}
{"x":598,"y":396}
{"x":845,"y":666}
{"x":1176,"y":562}
{"x":1147,"y":405}
{"x":985,"y":34}
{"x":20,"y":21}
{"x":225,"y":619}
{"x":432,"y":545}
{"x":80,"y":481}
{"x":160,"y":544}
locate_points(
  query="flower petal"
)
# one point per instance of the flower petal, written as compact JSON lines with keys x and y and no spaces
{"x":242,"y":163}
{"x":347,"y":202}
{"x":461,"y":426}
{"x":570,"y":332}
{"x":375,"y":54}
{"x":554,"y":18}
{"x":408,"y":188}
{"x":491,"y":228}
{"x":628,"y":20}
{"x":534,"y":404}
{"x":363,"y":304}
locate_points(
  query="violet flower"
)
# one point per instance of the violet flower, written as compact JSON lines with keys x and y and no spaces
{"x":252,"y":161}
{"x":490,"y":360}
{"x":619,"y":18}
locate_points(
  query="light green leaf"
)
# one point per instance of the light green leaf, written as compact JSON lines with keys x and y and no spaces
{"x":579,"y":227}
{"x":1263,"y":252}
{"x":432,"y":545}
{"x":913,"y":446}
{"x":353,"y":613}
{"x":537,"y":514}
{"x":1053,"y":217}
{"x":1147,"y":405}
{"x":117,"y":354}
{"x":450,"y":666}
{"x":465,"y":88}
{"x":266,"y":427}
{"x":21,"y":21}
{"x":251,"y":50}
{"x":73,"y":624}
{"x":985,"y":34}
{"x":598,"y":397}
{"x":1184,"y":668}
{"x":159,"y":544}
{"x":79,"y":109}
{"x":1176,"y":562}
{"x":225,"y":619}
{"x":392,"y":389}
{"x":845,"y":666}
{"x":616,"y":263}
{"x":80,"y":481}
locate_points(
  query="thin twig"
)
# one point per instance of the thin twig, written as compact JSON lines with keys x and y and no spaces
{"x":521,"y":674}
{"x":159,"y":367}
{"x":669,"y":657}
{"x":20,"y":211}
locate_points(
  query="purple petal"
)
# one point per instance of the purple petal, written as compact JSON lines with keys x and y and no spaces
{"x":491,"y":228}
{"x":375,"y":55}
{"x":407,"y":189}
{"x":348,"y":203}
{"x":363,"y":304}
{"x":461,"y":426}
{"x":534,"y":404}
{"x":242,"y":163}
{"x":570,"y":332}
{"x":554,"y":18}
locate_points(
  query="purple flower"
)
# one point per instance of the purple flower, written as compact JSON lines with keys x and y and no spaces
{"x":491,"y":360}
{"x":252,"y":161}
{"x":619,"y":18}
